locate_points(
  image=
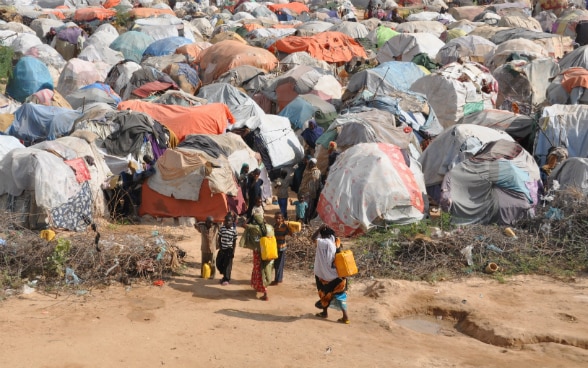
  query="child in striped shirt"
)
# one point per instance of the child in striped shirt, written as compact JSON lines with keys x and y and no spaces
{"x":227,"y":240}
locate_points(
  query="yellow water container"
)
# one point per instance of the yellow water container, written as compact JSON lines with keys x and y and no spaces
{"x":206,"y":270}
{"x":269,"y":248}
{"x":294,"y":226}
{"x":345,"y":263}
{"x":47,"y":234}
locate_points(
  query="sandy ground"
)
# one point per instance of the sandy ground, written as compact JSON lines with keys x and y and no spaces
{"x":192,"y":322}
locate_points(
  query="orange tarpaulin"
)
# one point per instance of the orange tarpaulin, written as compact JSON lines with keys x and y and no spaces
{"x":149,"y":12}
{"x":55,"y":12}
{"x":89,"y":14}
{"x":111,"y":4}
{"x":226,"y":55}
{"x":574,"y":77}
{"x":332,"y":47}
{"x":295,"y":7}
{"x":208,"y":204}
{"x":193,"y":50}
{"x":182,"y":120}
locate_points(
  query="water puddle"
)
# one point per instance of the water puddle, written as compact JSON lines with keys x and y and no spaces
{"x":428,"y":325}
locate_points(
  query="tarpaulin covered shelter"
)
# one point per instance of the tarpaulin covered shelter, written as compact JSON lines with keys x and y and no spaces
{"x":578,"y":57}
{"x":305,"y":107}
{"x":562,"y":126}
{"x":226,"y":55}
{"x":93,"y":13}
{"x":34,"y":123}
{"x":181,"y":120}
{"x":132,"y":44}
{"x":372,"y":184}
{"x":524,"y":83}
{"x":520,"y":127}
{"x":406,"y":46}
{"x":448,"y":149}
{"x":499,"y":184}
{"x":165,"y":46}
{"x":29,"y":76}
{"x":569,"y":87}
{"x":473,"y":47}
{"x":572,"y":173}
{"x":332,"y":47}
{"x":78,"y":73}
{"x":457,"y":90}
{"x":518,"y":48}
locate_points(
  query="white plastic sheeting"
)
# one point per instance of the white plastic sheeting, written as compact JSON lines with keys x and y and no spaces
{"x":370,"y":184}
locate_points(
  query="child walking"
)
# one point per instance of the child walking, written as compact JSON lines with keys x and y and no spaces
{"x":227,"y":240}
{"x":301,"y":207}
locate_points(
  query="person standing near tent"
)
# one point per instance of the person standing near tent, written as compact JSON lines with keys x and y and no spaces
{"x":243,"y":180}
{"x":299,"y":173}
{"x":209,"y":232}
{"x":310,"y":188}
{"x":281,"y":230}
{"x":281,"y":185}
{"x":227,"y":240}
{"x":311,"y":134}
{"x":262,"y":270}
{"x":332,"y":289}
{"x":253,"y":190}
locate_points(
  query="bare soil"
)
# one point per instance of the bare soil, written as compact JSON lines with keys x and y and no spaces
{"x":528,"y":321}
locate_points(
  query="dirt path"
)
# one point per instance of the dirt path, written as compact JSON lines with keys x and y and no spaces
{"x":191,"y":322}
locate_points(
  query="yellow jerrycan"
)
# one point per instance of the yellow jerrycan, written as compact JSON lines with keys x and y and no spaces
{"x":205,"y":270}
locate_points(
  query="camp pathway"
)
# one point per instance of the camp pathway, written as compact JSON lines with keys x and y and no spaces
{"x":192,"y":322}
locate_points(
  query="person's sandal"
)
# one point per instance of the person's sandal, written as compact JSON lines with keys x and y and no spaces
{"x":264,"y":298}
{"x":321,"y":315}
{"x":345,"y":321}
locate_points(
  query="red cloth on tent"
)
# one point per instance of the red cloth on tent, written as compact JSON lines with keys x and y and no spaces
{"x":78,"y":165}
{"x":295,"y":7}
{"x":149,"y":88}
{"x":158,"y":205}
{"x":182,"y":120}
{"x":574,"y":77}
{"x":89,"y":14}
{"x":332,"y":47}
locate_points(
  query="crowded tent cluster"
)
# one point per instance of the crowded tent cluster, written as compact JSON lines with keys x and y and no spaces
{"x":360,"y":114}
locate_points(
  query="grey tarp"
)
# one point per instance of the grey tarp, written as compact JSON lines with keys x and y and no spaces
{"x":572,"y":174}
{"x":500,"y":184}
{"x":562,"y":126}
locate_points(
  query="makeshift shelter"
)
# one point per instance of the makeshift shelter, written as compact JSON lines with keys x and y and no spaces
{"x":557,"y":46}
{"x":68,"y":40}
{"x":91,"y":94}
{"x":422,"y":26}
{"x":522,"y":84}
{"x":520,"y":127}
{"x":474,"y":48}
{"x":457,"y":90}
{"x":572,"y":174}
{"x":78,"y":73}
{"x":182,"y":121}
{"x":120,"y":75}
{"x":380,"y":35}
{"x":93,"y":13}
{"x":448,"y":149}
{"x":372,"y":184}
{"x":576,"y":58}
{"x":312,"y":27}
{"x":332,"y":47}
{"x":143,"y":82}
{"x":165,"y":46}
{"x":515,"y":49}
{"x":245,"y":111}
{"x":132,"y":44}
{"x":28,"y":76}
{"x":569,"y":87}
{"x":406,"y":46}
{"x":351,"y":29}
{"x":101,"y":53}
{"x":52,"y":59}
{"x":192,"y":50}
{"x":305,"y":107}
{"x":48,"y":97}
{"x":226,"y":55}
{"x":184,"y":76}
{"x":7,"y":144}
{"x":35,"y":123}
{"x":562,"y":126}
{"x":42,"y":186}
{"x":499,"y":184}
{"x":303,"y":58}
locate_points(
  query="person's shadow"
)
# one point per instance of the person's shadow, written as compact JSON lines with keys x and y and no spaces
{"x":264,"y":317}
{"x":211,"y":289}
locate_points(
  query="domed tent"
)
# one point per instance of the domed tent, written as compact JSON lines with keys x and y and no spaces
{"x":406,"y":46}
{"x":499,"y":184}
{"x":448,"y":149}
{"x":132,"y":44}
{"x":473,"y":47}
{"x":166,"y":46}
{"x":457,"y":90}
{"x":572,"y":174}
{"x":372,"y":184}
{"x":29,"y":76}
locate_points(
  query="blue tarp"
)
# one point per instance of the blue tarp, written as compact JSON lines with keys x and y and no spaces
{"x":132,"y":44}
{"x":166,"y":46}
{"x":106,"y":88}
{"x":399,"y":74}
{"x":35,"y":123}
{"x":29,"y":76}
{"x":298,"y":111}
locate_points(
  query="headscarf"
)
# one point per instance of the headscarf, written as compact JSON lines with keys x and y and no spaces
{"x":312,"y":133}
